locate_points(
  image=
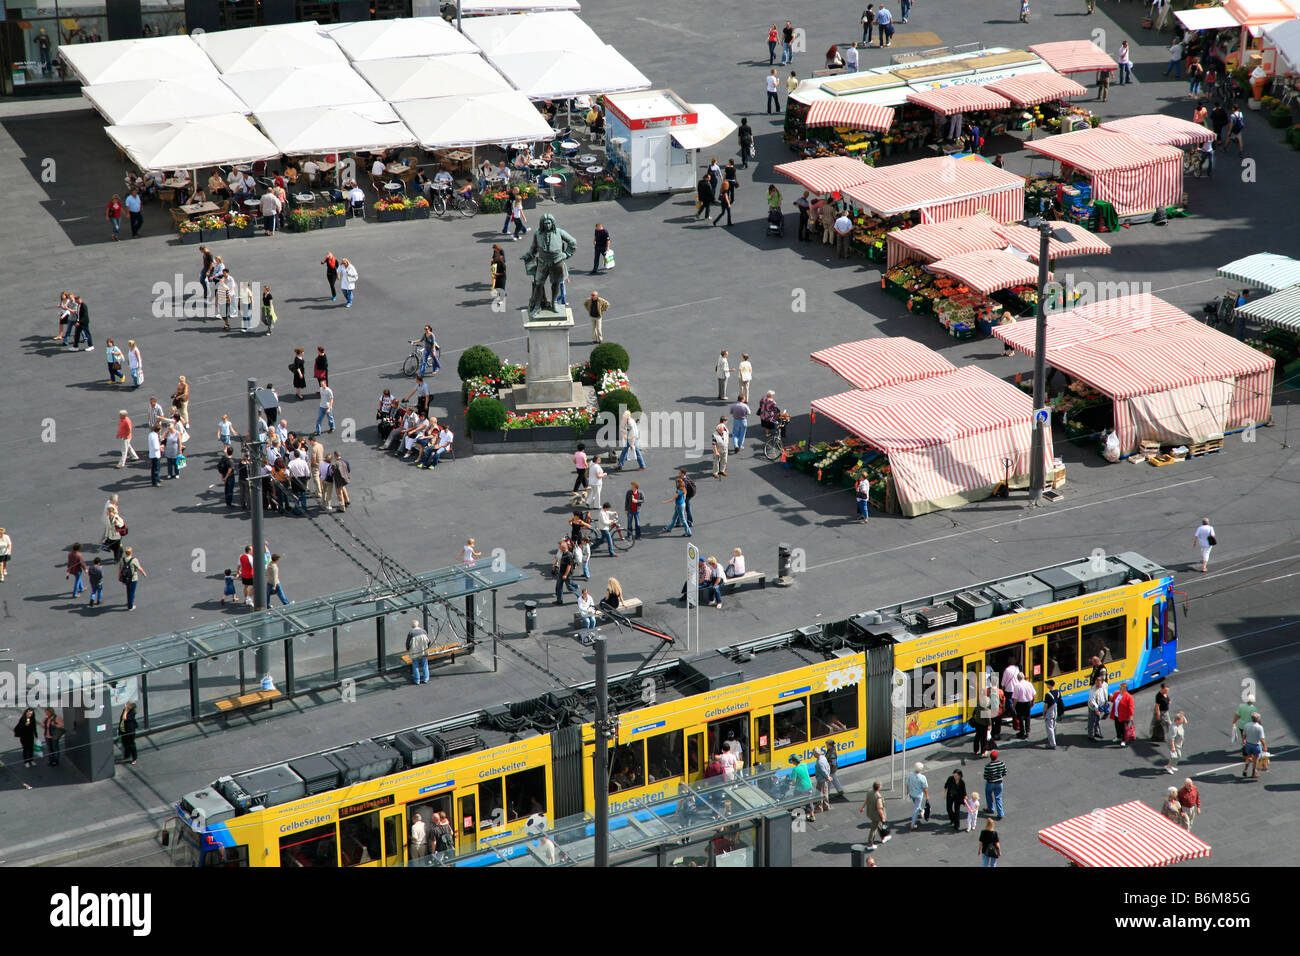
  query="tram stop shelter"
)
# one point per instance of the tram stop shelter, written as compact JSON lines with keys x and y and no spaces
{"x":1172,"y":379}
{"x":951,"y":438}
{"x":1131,"y":834}
{"x":178,"y":678}
{"x":743,"y":823}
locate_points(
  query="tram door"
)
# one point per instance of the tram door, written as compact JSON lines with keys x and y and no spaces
{"x":974,"y":684}
{"x":696,"y":758}
{"x":394,"y":831}
{"x":760,"y":741}
{"x":718,"y":730}
{"x":1037,"y":670}
{"x":466,"y":821}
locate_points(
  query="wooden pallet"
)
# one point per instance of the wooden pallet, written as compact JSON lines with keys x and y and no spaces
{"x":1197,"y":449}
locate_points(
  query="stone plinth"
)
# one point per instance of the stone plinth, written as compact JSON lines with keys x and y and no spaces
{"x":549,"y":383}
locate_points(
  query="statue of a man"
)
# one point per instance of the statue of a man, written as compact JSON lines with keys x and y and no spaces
{"x":544,"y":260}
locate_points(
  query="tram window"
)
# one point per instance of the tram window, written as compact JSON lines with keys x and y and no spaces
{"x":950,"y":686}
{"x":231,"y":857}
{"x":1062,"y":652}
{"x":526,"y":793}
{"x":1106,"y":639}
{"x":835,"y":711}
{"x":490,"y":804}
{"x":314,"y":847}
{"x":627,"y":767}
{"x":359,"y":838}
{"x":920,"y":687}
{"x":664,"y":756}
{"x":1171,"y":623}
{"x":695,"y":754}
{"x":791,"y":722}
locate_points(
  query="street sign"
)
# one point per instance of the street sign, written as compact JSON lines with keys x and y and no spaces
{"x":1042,"y":416}
{"x":692,"y":576}
{"x":898,"y":704}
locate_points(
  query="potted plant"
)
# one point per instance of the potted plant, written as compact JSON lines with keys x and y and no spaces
{"x":529,"y":194}
{"x":493,"y":201}
{"x":300,"y":220}
{"x":392,"y":209}
{"x":606,"y":189}
{"x":212,"y":227}
{"x":419,"y":208}
{"x":189,"y":233}
{"x":334,"y":216}
{"x":238,"y":226}
{"x":582,"y":192}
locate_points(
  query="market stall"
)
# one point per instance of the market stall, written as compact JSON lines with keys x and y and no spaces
{"x":1263,"y":270}
{"x":1133,"y":177}
{"x":1131,"y":834}
{"x":1278,"y":335}
{"x":950,"y":439}
{"x":873,"y":363}
{"x":1040,"y":99}
{"x":1074,"y":56}
{"x":1160,"y":130}
{"x":653,"y":139}
{"x":826,"y":175}
{"x":941,"y":188}
{"x":1028,"y":241}
{"x":987,"y":271}
{"x":952,"y":237}
{"x":964,"y":105}
{"x":1171,"y":379}
{"x":1253,"y":18}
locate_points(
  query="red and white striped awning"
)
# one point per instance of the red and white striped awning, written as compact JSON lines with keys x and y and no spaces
{"x":933,"y":182}
{"x":1031,"y":89}
{"x":948,"y":436}
{"x":844,"y":112}
{"x":966,"y":98}
{"x":1131,"y":175}
{"x":1074,"y":56}
{"x":828,"y":174}
{"x":928,"y":242}
{"x":1161,"y":130}
{"x":873,"y":363}
{"x":988,"y":271}
{"x":1027,"y":241}
{"x":1131,"y":834}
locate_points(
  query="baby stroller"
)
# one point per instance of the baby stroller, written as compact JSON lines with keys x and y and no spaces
{"x":775,"y":223}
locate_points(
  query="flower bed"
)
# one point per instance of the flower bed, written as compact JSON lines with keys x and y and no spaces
{"x":612,"y":381}
{"x":238,"y":226}
{"x":579,"y":419}
{"x":393,"y":208}
{"x":582,"y":373}
{"x":189,"y":233}
{"x":493,"y":201}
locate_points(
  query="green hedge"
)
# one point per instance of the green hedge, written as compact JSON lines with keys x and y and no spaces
{"x":606,"y":357}
{"x":613,"y":402}
{"x":486,"y":415}
{"x":478,"y":361}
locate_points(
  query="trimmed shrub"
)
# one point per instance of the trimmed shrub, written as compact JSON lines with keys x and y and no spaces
{"x":478,"y":361}
{"x":486,"y":415}
{"x":610,"y":402}
{"x":606,"y":356}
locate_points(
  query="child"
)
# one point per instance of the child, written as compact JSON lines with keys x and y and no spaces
{"x":972,"y":804}
{"x":468,"y":554}
{"x":229,"y":591}
{"x":96,"y":572}
{"x":1024,"y":11}
{"x":225,"y":431}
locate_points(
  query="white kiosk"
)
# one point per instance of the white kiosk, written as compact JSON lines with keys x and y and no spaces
{"x":653,"y":139}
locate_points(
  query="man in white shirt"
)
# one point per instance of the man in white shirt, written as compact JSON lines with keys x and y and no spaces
{"x":326,"y":409}
{"x":843,"y":229}
{"x":851,"y":58}
{"x":605,"y":522}
{"x":419,"y":837}
{"x":440,"y":447}
{"x":631,"y":440}
{"x":1022,"y":694}
{"x":721,"y":444}
{"x":270,"y":209}
{"x":312,"y":170}
{"x":299,"y":472}
{"x":155,"y":455}
{"x":357,"y":199}
{"x":409,"y":421}
{"x":723,"y":371}
{"x":377,"y":170}
{"x":442,"y":176}
{"x":773,"y":101}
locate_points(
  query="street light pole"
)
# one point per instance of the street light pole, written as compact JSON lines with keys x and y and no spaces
{"x":600,"y":781}
{"x":1038,"y":443}
{"x":255,"y":479}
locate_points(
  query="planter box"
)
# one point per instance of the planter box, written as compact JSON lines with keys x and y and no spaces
{"x":530,"y":202}
{"x":491,"y":438}
{"x":211,"y":235}
{"x":240,"y":232}
{"x":190,"y":238}
{"x":334,"y":222}
{"x":419,"y":212}
{"x":391,"y":215}
{"x":604,"y":195}
{"x":583,"y":197}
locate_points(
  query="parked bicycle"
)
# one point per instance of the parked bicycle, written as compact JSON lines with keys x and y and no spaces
{"x":774,"y":443}
{"x":445,"y":199}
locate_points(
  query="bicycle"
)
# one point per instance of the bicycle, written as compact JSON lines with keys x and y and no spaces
{"x":411,"y":364}
{"x":774,"y":443}
{"x":444,"y":199}
{"x":624,"y":540}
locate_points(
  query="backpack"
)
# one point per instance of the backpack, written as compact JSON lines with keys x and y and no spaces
{"x":224,"y":467}
{"x":126,"y":571}
{"x":1238,"y":123}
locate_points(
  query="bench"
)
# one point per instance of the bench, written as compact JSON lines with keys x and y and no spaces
{"x":631,"y":607}
{"x":254,"y":698}
{"x":446,"y":651}
{"x":743,"y":582}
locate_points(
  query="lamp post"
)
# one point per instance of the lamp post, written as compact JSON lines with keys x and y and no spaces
{"x":1038,"y":444}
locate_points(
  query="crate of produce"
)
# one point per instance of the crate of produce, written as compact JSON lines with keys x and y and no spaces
{"x":962,"y":333}
{"x":803,"y":460}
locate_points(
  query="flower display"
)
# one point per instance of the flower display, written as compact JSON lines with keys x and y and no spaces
{"x":398,"y":201}
{"x":236,"y":219}
{"x":612,"y":381}
{"x":188,"y":226}
{"x":577,"y":418}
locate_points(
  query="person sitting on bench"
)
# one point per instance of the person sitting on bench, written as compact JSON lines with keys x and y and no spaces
{"x":736,"y":566}
{"x":613,"y":598}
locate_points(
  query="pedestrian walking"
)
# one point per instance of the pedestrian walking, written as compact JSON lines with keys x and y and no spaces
{"x":972,"y":807}
{"x":1177,"y":735}
{"x":801,"y":784}
{"x":1098,"y":701}
{"x":6,"y":552}
{"x":596,"y":308}
{"x":135,"y":362}
{"x":1172,"y":807}
{"x":1122,"y":708}
{"x":419,"y":837}
{"x":745,"y":370}
{"x":181,"y":399}
{"x":564,"y":572}
{"x":884,"y":26}
{"x":580,"y":465}
{"x":729,"y":175}
{"x":1253,"y":743}
{"x":787,"y":43}
{"x":269,"y":318}
{"x":1189,"y":798}
{"x":1024,"y":11}
{"x":497,"y":272}
{"x":600,"y":245}
{"x":745,"y":134}
{"x":298,"y":368}
{"x":171,"y":442}
{"x":868,"y":22}
{"x":270,"y":208}
{"x":129,"y":572}
{"x":25,"y":730}
{"x":596,"y":475}
{"x":773,"y":100}
{"x":155,"y":455}
{"x":113,"y":213}
{"x":1103,"y":85}
{"x":843,"y":232}
{"x":1160,"y":721}
{"x":633,"y":501}
{"x":1195,"y":74}
{"x":1022,"y":696}
{"x":1125,"y":61}
{"x":678,"y":501}
{"x":1175,"y":59}
{"x":417,"y":646}
{"x":631,"y":440}
{"x":1205,"y":540}
{"x":1218,"y":122}
{"x":832,"y":756}
{"x":126,"y":728}
{"x":722,"y":369}
{"x":347,"y":280}
{"x":918,"y":789}
{"x":1053,"y":710}
{"x":772,"y":39}
{"x":822,"y":774}
{"x":703,"y":198}
{"x":125,"y":431}
{"x":331,"y":265}
{"x":689,"y":482}
{"x":995,"y":774}
{"x":227,"y":298}
{"x":990,"y":845}
{"x":1241,"y":717}
{"x":954,"y":789}
{"x":273,"y":583}
{"x":135,"y":207}
{"x":740,"y":423}
{"x":321,"y":369}
{"x":874,"y":807}
{"x":724,"y":203}
{"x":76,"y":569}
{"x":721,"y":441}
{"x":81,"y":328}
{"x":862,"y":497}
{"x":52,"y":730}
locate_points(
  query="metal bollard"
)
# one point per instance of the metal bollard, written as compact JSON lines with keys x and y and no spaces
{"x":530,"y":616}
{"x":859,"y":851}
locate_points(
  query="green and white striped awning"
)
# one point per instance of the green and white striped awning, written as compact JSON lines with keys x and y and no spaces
{"x":1281,"y":309}
{"x":1264,"y":270}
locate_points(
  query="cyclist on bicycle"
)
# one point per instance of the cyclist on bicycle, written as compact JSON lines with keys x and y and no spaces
{"x":771,"y":417}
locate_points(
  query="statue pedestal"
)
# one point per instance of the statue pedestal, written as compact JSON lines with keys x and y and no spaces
{"x":549,"y":384}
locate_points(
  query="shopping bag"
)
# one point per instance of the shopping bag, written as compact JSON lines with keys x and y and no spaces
{"x":38,"y":747}
{"x":1130,"y":732}
{"x":609,"y":258}
{"x":180,"y":461}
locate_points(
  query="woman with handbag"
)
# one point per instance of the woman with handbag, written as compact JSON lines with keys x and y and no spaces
{"x":874,"y":808}
{"x":25,"y":731}
{"x":126,"y":728}
{"x":113,"y":355}
{"x":1206,"y":541}
{"x":52,"y":730}
{"x":114,"y":531}
{"x":990,"y":846}
{"x":269,"y":317}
